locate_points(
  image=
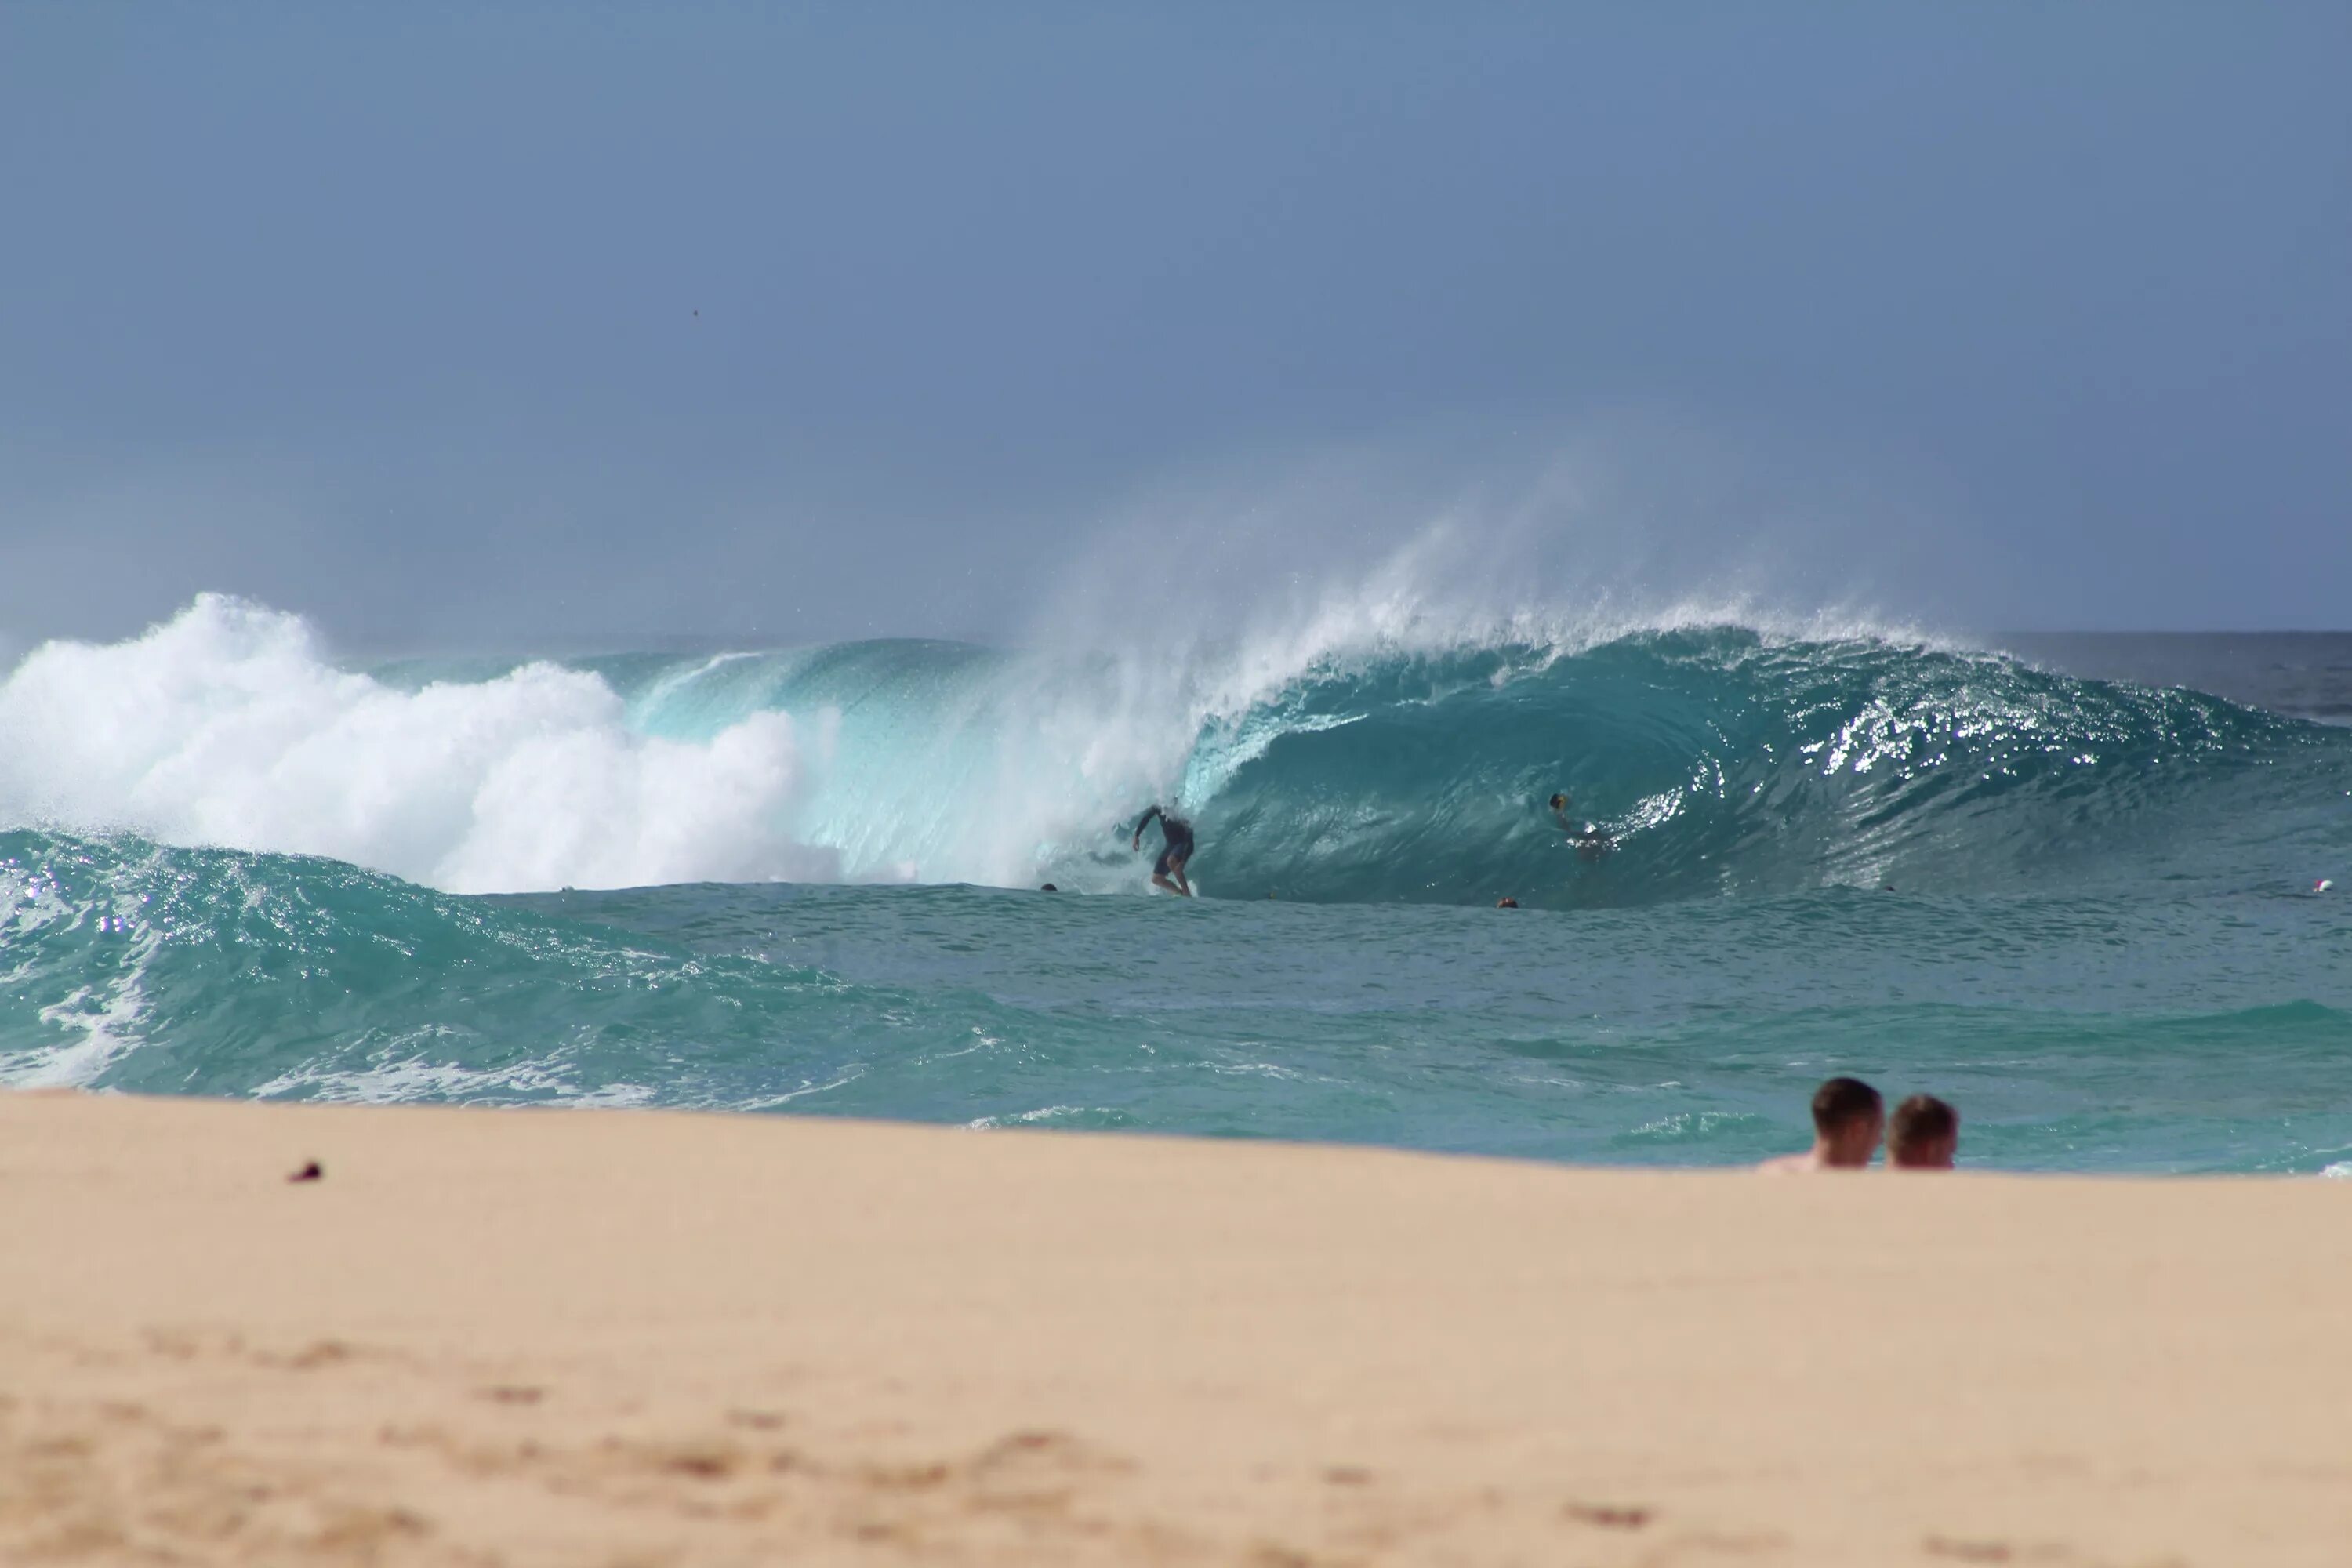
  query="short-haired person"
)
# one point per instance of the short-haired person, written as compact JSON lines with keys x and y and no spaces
{"x":1168,"y":871}
{"x":1923,"y":1134}
{"x":1848,"y":1116}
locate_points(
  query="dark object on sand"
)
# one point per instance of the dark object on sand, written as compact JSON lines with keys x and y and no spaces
{"x":1507,"y":903}
{"x":310,"y":1173}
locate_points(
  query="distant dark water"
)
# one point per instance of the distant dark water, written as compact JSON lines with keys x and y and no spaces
{"x":2306,"y":675}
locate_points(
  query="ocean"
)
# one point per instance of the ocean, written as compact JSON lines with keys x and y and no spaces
{"x":2070,"y":883}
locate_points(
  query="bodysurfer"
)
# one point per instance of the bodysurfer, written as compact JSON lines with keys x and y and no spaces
{"x":1589,"y":841}
{"x":1168,"y":871}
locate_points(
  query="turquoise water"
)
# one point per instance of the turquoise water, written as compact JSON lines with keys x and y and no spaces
{"x":2083,"y":910}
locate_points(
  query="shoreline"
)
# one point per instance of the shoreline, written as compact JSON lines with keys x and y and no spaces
{"x":556,"y":1336}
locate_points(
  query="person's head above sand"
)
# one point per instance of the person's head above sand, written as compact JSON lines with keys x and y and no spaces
{"x":1848,"y":1116}
{"x":1923,"y":1134}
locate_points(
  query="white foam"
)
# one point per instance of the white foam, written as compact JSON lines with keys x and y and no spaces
{"x":98,"y":1022}
{"x":102,"y":1023}
{"x":392,"y":1079}
{"x":227,"y":726}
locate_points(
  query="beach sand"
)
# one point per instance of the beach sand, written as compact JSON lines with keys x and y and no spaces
{"x":525,"y":1337}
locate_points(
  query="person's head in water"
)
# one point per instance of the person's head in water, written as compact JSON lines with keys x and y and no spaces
{"x":1848,"y":1116}
{"x":1560,"y":802}
{"x":1507,"y":903}
{"x":1049,"y":888}
{"x":1923,"y":1134}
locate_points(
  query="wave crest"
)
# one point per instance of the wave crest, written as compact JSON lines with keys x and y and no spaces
{"x":226,"y":726}
{"x":1363,"y":757}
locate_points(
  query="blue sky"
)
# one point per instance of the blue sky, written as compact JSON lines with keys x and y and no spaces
{"x":495,"y":323}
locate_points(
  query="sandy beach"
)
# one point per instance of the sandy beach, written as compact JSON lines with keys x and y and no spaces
{"x":614,"y":1338}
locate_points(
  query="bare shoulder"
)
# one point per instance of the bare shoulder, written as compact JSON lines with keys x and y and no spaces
{"x":1789,"y":1165}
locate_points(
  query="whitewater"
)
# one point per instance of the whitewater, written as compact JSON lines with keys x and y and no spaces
{"x":805,"y":880}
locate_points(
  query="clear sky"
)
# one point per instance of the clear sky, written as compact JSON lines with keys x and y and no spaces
{"x":491,"y":323}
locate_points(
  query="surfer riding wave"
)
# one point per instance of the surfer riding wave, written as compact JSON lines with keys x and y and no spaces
{"x":1168,"y":871}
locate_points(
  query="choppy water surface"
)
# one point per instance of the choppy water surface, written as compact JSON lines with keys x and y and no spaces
{"x":2083,"y":910}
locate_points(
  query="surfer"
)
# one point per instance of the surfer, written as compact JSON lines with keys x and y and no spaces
{"x":1589,"y":841}
{"x":1168,"y":871}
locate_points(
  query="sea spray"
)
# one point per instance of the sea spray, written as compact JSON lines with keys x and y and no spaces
{"x":226,"y":725}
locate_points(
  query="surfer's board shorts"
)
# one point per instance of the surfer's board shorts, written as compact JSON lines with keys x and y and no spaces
{"x":1175,"y":855}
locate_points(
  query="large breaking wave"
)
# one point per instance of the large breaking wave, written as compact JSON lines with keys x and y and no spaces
{"x":1364,"y":762}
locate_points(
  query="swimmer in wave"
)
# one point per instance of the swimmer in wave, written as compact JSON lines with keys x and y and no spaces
{"x":1168,"y":871}
{"x":1589,"y":841}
